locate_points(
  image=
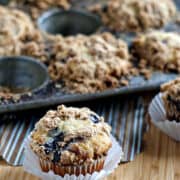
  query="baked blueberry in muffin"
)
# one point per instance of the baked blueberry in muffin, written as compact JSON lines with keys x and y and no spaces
{"x":69,"y":139}
{"x":171,"y":98}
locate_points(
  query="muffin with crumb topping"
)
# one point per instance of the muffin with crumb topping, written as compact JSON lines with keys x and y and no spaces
{"x":36,"y":7}
{"x":135,"y":15}
{"x":171,"y":98}
{"x":15,"y":27}
{"x":71,"y":141}
{"x":87,"y":64}
{"x":158,"y":49}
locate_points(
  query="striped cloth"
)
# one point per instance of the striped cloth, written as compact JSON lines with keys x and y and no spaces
{"x":127,"y":118}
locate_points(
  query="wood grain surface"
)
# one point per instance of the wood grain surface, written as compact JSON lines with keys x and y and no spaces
{"x":160,"y":160}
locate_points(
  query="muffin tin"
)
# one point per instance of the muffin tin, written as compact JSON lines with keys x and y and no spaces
{"x":49,"y":93}
{"x":22,"y":74}
{"x":69,"y":22}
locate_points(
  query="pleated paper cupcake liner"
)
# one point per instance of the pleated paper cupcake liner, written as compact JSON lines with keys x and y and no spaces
{"x":32,"y":164}
{"x":95,"y":166}
{"x":159,"y":119}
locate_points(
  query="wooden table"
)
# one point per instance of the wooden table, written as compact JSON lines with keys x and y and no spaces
{"x":160,"y":160}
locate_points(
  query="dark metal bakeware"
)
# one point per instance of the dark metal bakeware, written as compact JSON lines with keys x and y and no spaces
{"x":51,"y":95}
{"x":70,"y":22}
{"x":22,"y":74}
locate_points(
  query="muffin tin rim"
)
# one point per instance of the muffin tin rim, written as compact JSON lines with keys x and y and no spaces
{"x":34,"y":61}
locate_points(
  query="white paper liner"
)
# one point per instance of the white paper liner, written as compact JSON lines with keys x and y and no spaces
{"x":159,"y":119}
{"x":31,"y":164}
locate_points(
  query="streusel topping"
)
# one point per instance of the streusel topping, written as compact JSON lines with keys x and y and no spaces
{"x":159,"y":49}
{"x":15,"y":25}
{"x":37,"y":7}
{"x":136,"y":15}
{"x":90,"y":63}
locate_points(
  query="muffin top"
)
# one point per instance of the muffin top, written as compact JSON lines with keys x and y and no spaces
{"x":71,"y":136}
{"x":136,"y":15}
{"x":37,"y":7}
{"x":90,"y":63}
{"x":15,"y":25}
{"x":18,"y":36}
{"x":159,"y":49}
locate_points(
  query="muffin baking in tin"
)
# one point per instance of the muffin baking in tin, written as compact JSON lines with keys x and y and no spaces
{"x":135,"y":15}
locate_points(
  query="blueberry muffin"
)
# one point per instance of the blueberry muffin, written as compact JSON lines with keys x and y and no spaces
{"x":157,"y":49}
{"x":18,"y":36}
{"x":88,"y":64}
{"x":71,"y":141}
{"x":135,"y":15}
{"x":36,"y":7}
{"x":171,"y":98}
{"x":15,"y":26}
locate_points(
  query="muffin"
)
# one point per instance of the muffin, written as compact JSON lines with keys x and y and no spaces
{"x":37,"y":7}
{"x":88,"y":64}
{"x":157,"y":49}
{"x":135,"y":15}
{"x":15,"y":26}
{"x":171,"y":98}
{"x":18,"y":36}
{"x":71,"y":141}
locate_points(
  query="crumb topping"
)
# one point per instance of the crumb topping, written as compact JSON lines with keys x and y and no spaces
{"x":135,"y":15}
{"x":90,"y":63}
{"x":37,"y":7}
{"x":158,"y":49}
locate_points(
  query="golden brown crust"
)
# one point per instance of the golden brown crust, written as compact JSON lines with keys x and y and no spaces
{"x":90,"y":63}
{"x":157,"y":49}
{"x":171,"y":97}
{"x":71,"y":136}
{"x":136,"y":15}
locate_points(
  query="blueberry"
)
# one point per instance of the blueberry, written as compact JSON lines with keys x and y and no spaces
{"x":94,"y":118}
{"x":47,"y":151}
{"x":56,"y":157}
{"x":105,"y":8}
{"x":53,"y":132}
{"x":50,"y":147}
{"x":59,"y":137}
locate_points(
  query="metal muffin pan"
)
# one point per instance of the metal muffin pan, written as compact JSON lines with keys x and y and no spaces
{"x":22,"y":74}
{"x":52,"y":96}
{"x":68,"y":22}
{"x":49,"y":94}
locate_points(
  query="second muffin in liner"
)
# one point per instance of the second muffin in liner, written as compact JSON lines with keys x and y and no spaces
{"x":158,"y":116}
